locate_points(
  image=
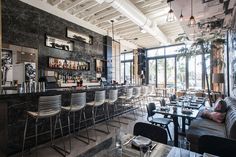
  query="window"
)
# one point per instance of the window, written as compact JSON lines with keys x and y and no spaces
{"x":129,"y":56}
{"x":152,"y":71}
{"x":170,"y":73}
{"x":181,"y":73}
{"x":161,"y":73}
{"x":173,"y":50}
{"x":122,"y":57}
{"x":155,"y":52}
{"x":195,"y":72}
{"x":122,"y":71}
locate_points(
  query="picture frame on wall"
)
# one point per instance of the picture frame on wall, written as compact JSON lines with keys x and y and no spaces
{"x":72,"y":34}
{"x":57,"y":63}
{"x":6,"y":69}
{"x":58,"y":43}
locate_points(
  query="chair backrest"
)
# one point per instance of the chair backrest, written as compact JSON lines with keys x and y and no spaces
{"x":113,"y":95}
{"x":78,"y":100}
{"x":129,"y":93}
{"x":144,"y":91}
{"x":163,"y":102}
{"x":99,"y":98}
{"x":172,"y":97}
{"x":150,"y":131}
{"x":136,"y":92}
{"x":150,"y":108}
{"x":215,"y":145}
{"x":49,"y":105}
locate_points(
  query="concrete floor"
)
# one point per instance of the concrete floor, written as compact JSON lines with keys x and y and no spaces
{"x":79,"y":147}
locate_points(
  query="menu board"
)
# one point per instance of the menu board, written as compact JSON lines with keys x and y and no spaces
{"x":68,"y":64}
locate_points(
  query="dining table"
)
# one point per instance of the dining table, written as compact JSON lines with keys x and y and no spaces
{"x":127,"y":150}
{"x":175,"y":114}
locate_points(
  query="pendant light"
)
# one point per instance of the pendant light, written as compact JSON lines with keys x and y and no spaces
{"x":192,"y":21}
{"x":181,"y":17}
{"x":170,"y":15}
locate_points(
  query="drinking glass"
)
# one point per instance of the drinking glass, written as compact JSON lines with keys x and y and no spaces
{"x":118,"y":143}
{"x":184,"y":148}
{"x":144,"y":151}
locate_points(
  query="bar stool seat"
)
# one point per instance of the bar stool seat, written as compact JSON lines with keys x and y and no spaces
{"x":72,"y":108}
{"x":43,"y":115}
{"x":48,"y":107}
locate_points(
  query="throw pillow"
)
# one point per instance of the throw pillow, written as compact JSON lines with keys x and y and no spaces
{"x":220,"y":106}
{"x":215,"y":116}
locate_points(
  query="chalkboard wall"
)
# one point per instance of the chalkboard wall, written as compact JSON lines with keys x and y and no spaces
{"x":26,"y":26}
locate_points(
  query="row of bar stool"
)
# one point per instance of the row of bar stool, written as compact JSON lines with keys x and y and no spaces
{"x":50,"y":107}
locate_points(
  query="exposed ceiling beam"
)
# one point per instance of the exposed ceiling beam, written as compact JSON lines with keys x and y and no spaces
{"x":93,"y":11}
{"x":53,"y":2}
{"x":55,"y":11}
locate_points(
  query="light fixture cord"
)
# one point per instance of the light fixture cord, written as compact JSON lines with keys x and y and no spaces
{"x":191,"y":7}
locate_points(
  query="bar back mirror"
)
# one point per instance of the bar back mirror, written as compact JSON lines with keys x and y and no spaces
{"x":19,"y":64}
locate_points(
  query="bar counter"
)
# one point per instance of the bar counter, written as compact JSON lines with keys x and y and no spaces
{"x":13,"y":107}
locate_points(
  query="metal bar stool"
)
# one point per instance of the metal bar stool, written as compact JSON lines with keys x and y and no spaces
{"x":78,"y":103}
{"x":126,"y":101}
{"x":48,"y":107}
{"x":111,"y":102}
{"x":137,"y":98}
{"x":99,"y":100}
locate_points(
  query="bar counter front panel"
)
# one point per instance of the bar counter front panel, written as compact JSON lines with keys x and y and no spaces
{"x":13,"y":109}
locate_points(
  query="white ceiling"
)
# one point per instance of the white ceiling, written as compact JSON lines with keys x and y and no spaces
{"x":97,"y":17}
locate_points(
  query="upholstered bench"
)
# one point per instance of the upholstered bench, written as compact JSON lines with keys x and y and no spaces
{"x":201,"y":126}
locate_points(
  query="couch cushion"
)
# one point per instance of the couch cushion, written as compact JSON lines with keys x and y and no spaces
{"x":202,"y":126}
{"x":230,"y":120}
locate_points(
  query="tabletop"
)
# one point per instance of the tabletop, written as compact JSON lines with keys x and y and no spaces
{"x":178,"y":113}
{"x":161,"y":150}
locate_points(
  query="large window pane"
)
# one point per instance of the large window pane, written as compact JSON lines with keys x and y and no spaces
{"x":127,"y":72}
{"x":195,"y":72}
{"x":170,"y":73}
{"x":122,"y":57}
{"x":208,"y":69}
{"x":161,"y":73}
{"x":181,"y":73}
{"x":129,"y":56}
{"x":152,"y":72}
{"x":155,"y":52}
{"x":173,"y":50}
{"x":122,"y":77}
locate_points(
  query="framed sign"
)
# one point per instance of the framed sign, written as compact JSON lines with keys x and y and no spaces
{"x":58,"y":43}
{"x":79,"y":36}
{"x":68,"y":64}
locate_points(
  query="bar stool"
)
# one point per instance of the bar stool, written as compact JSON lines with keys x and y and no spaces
{"x":137,"y":97}
{"x":48,"y":107}
{"x":78,"y":103}
{"x":111,"y":103}
{"x":99,"y":100}
{"x":126,"y":100}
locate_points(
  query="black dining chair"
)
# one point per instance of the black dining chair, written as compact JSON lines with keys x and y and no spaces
{"x":163,"y":122}
{"x":153,"y":132}
{"x":217,"y":146}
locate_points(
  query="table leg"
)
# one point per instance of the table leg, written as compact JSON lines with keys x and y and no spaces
{"x":175,"y":120}
{"x":183,"y":124}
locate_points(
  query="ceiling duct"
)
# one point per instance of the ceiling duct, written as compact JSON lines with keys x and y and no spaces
{"x":128,"y":9}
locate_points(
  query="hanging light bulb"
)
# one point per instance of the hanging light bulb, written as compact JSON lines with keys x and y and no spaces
{"x":181,"y":17}
{"x":192,"y":21}
{"x":208,"y":28}
{"x":170,"y":16}
{"x":142,"y":30}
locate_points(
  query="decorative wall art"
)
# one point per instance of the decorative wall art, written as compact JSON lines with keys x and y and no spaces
{"x":59,"y":43}
{"x":79,"y":36}
{"x":6,"y":70}
{"x":30,"y":71}
{"x":68,"y":64}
